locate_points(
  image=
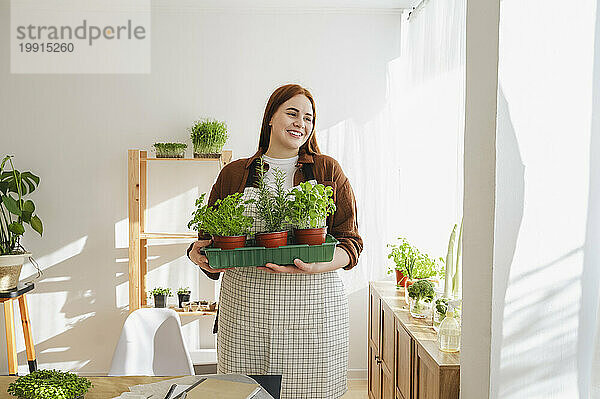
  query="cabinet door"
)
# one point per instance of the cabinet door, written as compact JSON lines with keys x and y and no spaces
{"x":427,"y":377}
{"x":387,"y":384}
{"x":374,"y":311}
{"x":386,"y":342}
{"x":404,"y":359}
{"x":374,"y":374}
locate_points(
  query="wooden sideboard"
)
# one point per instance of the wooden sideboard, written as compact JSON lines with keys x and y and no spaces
{"x":404,"y":359}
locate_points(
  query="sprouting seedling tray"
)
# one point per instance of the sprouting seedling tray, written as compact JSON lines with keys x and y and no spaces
{"x":259,"y":256}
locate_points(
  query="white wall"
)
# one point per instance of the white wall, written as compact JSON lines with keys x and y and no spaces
{"x":74,"y":131}
{"x":479,"y":195}
{"x":546,"y":274}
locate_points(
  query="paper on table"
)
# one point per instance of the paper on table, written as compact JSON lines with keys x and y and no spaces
{"x":160,"y":389}
{"x":221,"y":389}
{"x":129,"y":395}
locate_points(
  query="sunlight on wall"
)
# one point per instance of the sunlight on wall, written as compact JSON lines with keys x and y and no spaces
{"x":47,"y":261}
{"x":172,"y":193}
{"x":544,"y":119}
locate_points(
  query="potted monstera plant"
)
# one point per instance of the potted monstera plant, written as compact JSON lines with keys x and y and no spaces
{"x":15,"y":213}
{"x":309,"y":210}
{"x":273,"y":208}
{"x":209,"y":137}
{"x":49,"y":384}
{"x":224,"y":221}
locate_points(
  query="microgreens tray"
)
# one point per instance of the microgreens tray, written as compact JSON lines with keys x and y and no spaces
{"x":259,"y":256}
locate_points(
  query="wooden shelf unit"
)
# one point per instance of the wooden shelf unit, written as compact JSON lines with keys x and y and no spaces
{"x":137,"y":176}
{"x":182,"y":312}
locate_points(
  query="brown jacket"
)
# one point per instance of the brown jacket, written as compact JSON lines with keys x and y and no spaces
{"x":343,"y":225}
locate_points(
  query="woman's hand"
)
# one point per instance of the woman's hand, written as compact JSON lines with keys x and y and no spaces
{"x":340,"y":259}
{"x":298,"y":267}
{"x":202,"y":260}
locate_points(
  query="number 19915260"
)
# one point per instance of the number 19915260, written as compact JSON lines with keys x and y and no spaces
{"x":46,"y":47}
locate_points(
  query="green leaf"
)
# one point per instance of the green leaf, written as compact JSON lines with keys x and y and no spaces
{"x":26,"y":216}
{"x":16,"y":228}
{"x":28,"y":206}
{"x":36,"y":224}
{"x":11,"y":204}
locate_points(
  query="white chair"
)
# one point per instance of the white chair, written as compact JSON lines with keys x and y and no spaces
{"x":151,"y":343}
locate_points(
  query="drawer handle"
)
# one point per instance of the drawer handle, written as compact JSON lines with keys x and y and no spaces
{"x":377,"y":359}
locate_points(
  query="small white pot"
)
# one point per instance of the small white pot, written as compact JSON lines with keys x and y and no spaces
{"x":10,"y":270}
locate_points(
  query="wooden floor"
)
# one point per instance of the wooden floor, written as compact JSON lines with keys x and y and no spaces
{"x":108,"y":387}
{"x":357,"y":389}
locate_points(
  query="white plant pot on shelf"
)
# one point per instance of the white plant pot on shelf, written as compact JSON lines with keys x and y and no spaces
{"x":10,"y":270}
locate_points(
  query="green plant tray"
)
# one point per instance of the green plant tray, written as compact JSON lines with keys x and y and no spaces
{"x":259,"y":256}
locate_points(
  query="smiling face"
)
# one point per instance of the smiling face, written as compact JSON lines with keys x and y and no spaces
{"x":291,"y":126}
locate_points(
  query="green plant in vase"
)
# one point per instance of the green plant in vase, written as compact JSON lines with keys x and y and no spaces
{"x":421,"y":295}
{"x":309,"y":210}
{"x":439,"y":311}
{"x":170,"y":150}
{"x":453,"y":276}
{"x":208,"y":137}
{"x":49,"y":384}
{"x":225,"y":220}
{"x":273,"y":208}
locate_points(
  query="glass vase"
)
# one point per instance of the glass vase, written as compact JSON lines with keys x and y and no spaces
{"x":440,"y":307}
{"x":419,"y":308}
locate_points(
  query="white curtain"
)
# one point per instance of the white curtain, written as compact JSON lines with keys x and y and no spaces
{"x":405,"y":165}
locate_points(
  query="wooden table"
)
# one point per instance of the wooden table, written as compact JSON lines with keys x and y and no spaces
{"x":103,"y":387}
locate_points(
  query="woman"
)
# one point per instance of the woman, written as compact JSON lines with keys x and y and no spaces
{"x":290,"y":320}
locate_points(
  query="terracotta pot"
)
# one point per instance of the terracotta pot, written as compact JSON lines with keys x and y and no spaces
{"x":400,"y":278}
{"x":314,"y":236}
{"x":271,"y":240}
{"x":229,"y":242}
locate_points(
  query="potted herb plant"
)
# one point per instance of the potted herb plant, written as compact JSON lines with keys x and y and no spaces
{"x":15,"y":213}
{"x":160,"y":296}
{"x":170,"y":150}
{"x":420,"y":297}
{"x":272,"y":208}
{"x":49,"y":384}
{"x":183,"y":295}
{"x":309,"y":210}
{"x":208,"y":137}
{"x":225,"y":221}
{"x":412,"y":263}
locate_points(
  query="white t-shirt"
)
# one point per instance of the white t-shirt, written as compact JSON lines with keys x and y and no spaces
{"x":287,"y":165}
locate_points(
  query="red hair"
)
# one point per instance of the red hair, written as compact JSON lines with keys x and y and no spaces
{"x":279,"y":96}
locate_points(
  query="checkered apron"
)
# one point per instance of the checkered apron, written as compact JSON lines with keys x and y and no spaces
{"x":295,"y":325}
